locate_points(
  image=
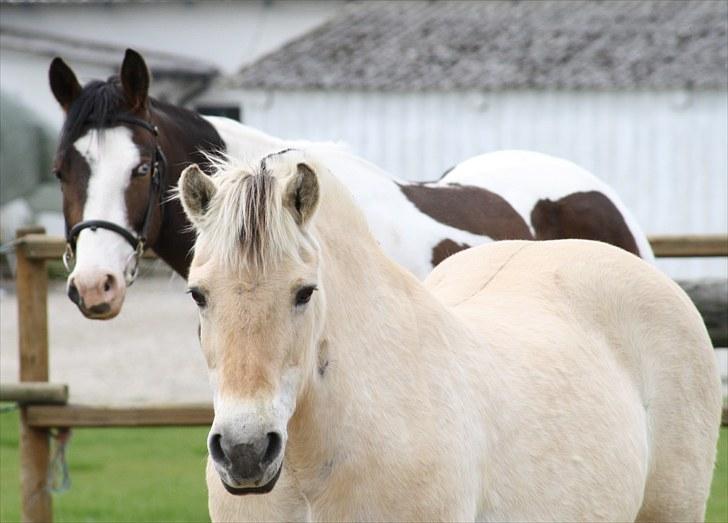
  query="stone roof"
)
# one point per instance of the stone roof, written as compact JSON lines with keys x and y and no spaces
{"x":494,"y":45}
{"x":75,"y":49}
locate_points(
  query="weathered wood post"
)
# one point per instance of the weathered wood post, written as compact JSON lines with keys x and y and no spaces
{"x":31,"y":281}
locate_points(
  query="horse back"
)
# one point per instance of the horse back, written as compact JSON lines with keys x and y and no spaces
{"x":599,"y":347}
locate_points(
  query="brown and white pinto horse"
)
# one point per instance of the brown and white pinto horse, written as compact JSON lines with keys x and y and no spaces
{"x":524,"y":381}
{"x":121,"y":152}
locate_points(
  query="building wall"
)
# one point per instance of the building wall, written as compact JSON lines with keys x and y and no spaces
{"x":24,"y":76}
{"x":229,"y":34}
{"x":666,"y":153}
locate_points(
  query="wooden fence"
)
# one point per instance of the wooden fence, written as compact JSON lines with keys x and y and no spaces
{"x":39,"y":408}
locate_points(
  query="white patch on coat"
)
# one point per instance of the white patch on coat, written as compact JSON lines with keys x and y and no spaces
{"x":111,"y":155}
{"x":405,"y":233}
{"x":242,"y":142}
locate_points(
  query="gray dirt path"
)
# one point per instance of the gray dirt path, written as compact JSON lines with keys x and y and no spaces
{"x":149,"y":353}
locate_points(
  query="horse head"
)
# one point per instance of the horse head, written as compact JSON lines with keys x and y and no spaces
{"x":111,"y":171}
{"x":255,"y":277}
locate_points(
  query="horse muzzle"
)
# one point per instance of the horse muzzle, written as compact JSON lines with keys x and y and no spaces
{"x":98,"y":294}
{"x":264,"y":489}
{"x":247,"y":465}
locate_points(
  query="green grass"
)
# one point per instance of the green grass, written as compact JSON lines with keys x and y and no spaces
{"x":158,"y":475}
{"x":150,"y":474}
{"x":718,"y":502}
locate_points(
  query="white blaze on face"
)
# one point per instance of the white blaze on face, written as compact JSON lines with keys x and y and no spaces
{"x":111,"y":155}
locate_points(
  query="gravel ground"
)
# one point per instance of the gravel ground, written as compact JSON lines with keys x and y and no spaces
{"x":147,"y":354}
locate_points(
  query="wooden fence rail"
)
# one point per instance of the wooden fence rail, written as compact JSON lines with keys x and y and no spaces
{"x":39,"y":246}
{"x":31,"y":392}
{"x":33,"y":249}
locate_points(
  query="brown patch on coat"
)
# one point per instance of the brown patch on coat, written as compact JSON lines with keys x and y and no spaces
{"x":583,"y":215}
{"x":469,"y":208}
{"x":446,"y":248}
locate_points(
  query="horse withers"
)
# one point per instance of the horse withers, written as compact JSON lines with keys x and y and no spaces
{"x":524,"y":381}
{"x":121,"y":153}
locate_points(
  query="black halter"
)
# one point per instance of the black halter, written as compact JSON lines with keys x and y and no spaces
{"x":157,"y":187}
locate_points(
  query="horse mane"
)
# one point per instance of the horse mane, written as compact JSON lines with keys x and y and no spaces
{"x":101,"y":102}
{"x":98,"y":103}
{"x":246,"y":220}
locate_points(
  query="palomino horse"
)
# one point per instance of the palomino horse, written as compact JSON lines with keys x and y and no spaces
{"x":121,"y":152}
{"x":530,"y":381}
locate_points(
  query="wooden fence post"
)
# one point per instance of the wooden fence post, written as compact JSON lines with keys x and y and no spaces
{"x":31,"y":282}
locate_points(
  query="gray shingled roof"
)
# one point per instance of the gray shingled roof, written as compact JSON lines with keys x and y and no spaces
{"x":506,"y":44}
{"x":44,"y":44}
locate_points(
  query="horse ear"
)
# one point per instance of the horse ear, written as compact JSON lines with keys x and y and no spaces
{"x":301,"y":194}
{"x":64,"y":84}
{"x":134,"y":79}
{"x":196,"y":190}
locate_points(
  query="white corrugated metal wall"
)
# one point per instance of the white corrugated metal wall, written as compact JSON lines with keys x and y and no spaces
{"x":666,"y":153}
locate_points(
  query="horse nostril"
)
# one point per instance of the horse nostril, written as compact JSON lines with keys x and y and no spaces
{"x":109,"y":283}
{"x":73,"y":294}
{"x":274,"y":447}
{"x":215,"y":447}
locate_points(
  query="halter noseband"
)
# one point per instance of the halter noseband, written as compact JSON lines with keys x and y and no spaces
{"x":137,"y":241}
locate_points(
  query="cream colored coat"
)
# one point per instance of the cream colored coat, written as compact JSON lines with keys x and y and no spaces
{"x":525,"y":381}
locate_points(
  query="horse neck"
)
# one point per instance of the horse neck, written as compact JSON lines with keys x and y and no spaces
{"x":184,"y":137}
{"x":382,"y":331}
{"x":243,"y":142}
{"x":363,"y":178}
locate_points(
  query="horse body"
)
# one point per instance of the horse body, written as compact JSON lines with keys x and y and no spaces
{"x":494,"y":196}
{"x":556,"y":198}
{"x":524,"y":381}
{"x":505,"y":195}
{"x":608,"y":354}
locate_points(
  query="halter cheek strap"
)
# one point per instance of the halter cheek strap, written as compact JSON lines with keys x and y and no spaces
{"x":137,"y":241}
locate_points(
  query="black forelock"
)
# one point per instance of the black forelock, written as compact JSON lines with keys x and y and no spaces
{"x":98,"y":104}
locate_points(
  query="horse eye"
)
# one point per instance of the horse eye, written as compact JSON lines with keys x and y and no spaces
{"x":197,"y":295}
{"x":303,"y":296}
{"x":58,"y":174}
{"x":142,"y":170}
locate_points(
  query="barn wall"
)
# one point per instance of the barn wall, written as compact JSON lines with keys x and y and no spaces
{"x":25,"y":77}
{"x":228,"y":34}
{"x":666,"y":153}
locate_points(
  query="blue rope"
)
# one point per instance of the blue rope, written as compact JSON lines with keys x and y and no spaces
{"x":59,"y":479}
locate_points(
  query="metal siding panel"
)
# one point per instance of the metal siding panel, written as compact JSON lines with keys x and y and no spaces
{"x":665,"y":153}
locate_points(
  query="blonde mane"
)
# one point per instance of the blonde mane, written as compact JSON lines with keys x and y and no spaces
{"x":245,"y":222}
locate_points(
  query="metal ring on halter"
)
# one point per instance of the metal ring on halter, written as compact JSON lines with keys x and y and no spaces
{"x":131,"y":274}
{"x":69,"y":258}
